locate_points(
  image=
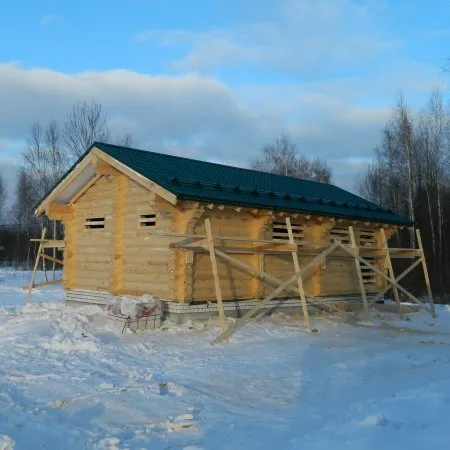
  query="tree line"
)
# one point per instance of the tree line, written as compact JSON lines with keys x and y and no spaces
{"x":410,"y":174}
{"x":50,"y":150}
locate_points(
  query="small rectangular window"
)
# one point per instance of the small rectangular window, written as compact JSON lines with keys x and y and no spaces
{"x":367,"y":238}
{"x":93,"y":223}
{"x":340,"y":234}
{"x":280,"y":231}
{"x":147,"y":220}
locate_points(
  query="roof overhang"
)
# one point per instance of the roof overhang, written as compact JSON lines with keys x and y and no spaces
{"x":86,"y":171}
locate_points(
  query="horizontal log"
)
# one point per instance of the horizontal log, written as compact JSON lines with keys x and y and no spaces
{"x":151,"y":277}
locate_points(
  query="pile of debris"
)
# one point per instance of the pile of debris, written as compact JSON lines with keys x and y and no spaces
{"x":137,"y":314}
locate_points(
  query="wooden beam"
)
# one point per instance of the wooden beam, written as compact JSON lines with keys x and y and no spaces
{"x":52,"y":258}
{"x":54,"y":243}
{"x":135,"y":176}
{"x":391,"y":272}
{"x":358,"y":270}
{"x":84,"y":189}
{"x":36,"y":264}
{"x":241,"y":322}
{"x":270,"y":279}
{"x":299,"y":279}
{"x":103,"y":168}
{"x":425,"y":272}
{"x":44,"y":283}
{"x":384,"y":276}
{"x":215,"y":272}
{"x":398,"y":279}
{"x":61,"y":186}
{"x":58,"y":212}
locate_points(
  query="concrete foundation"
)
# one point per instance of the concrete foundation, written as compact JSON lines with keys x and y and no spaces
{"x":180,"y":312}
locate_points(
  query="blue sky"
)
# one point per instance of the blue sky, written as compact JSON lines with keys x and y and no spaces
{"x":218,"y":79}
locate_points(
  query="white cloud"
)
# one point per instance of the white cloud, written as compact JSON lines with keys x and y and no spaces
{"x":299,"y":36}
{"x":201,"y":117}
{"x":48,"y":19}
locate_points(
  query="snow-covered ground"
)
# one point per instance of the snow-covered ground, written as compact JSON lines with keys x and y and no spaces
{"x":70,"y":380}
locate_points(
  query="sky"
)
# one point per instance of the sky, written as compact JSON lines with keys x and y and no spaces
{"x":217,"y":80}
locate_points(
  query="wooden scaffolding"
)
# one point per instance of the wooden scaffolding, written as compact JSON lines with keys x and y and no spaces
{"x":223,"y":247}
{"x":363,"y":257}
{"x":42,"y":256}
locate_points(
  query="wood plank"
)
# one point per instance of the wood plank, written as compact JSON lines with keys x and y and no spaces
{"x":51,"y":258}
{"x":241,"y":322}
{"x":385,"y":277}
{"x":397,"y":280}
{"x":215,"y":272}
{"x":61,"y":186}
{"x":299,"y":279}
{"x":358,"y":271}
{"x":425,"y":273}
{"x":391,"y":274}
{"x":86,"y":187}
{"x":138,"y":178}
{"x":44,"y":283}
{"x":36,"y":264}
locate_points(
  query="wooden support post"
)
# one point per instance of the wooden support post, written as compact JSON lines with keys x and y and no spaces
{"x":385,"y":277}
{"x":299,"y":279}
{"x":358,"y":270}
{"x":241,"y":322}
{"x":215,"y":271}
{"x":391,"y":273}
{"x":400,"y":277}
{"x":54,"y":251}
{"x":270,"y":279}
{"x":36,"y":264}
{"x":425,"y":273}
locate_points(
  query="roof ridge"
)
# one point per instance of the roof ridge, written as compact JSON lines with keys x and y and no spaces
{"x":215,"y":164}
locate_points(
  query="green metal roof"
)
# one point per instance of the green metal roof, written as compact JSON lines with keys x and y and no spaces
{"x":191,"y":179}
{"x":204,"y":181}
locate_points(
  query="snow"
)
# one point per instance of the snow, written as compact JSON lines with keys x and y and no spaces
{"x":69,"y":379}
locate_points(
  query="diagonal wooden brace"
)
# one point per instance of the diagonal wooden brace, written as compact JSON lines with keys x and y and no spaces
{"x":241,"y":322}
{"x":384,"y":276}
{"x":270,"y":279}
{"x":399,"y":278}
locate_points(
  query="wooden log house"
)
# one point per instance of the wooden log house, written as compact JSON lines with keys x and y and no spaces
{"x":193,"y":232}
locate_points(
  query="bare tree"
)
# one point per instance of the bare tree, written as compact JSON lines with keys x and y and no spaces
{"x":85,"y":123}
{"x":125,"y":141}
{"x":410,"y":175}
{"x":282,"y":158}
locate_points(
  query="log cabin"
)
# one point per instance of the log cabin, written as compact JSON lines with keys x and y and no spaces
{"x":144,"y":223}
